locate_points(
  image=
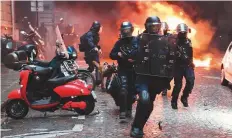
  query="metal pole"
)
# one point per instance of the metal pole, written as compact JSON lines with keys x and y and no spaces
{"x":13,"y":18}
{"x":37,"y":14}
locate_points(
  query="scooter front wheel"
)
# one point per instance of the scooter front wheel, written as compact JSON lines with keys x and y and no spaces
{"x":16,"y":109}
{"x":90,"y":105}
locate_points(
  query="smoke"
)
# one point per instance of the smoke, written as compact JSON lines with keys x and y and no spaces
{"x":111,"y":14}
{"x":84,"y":13}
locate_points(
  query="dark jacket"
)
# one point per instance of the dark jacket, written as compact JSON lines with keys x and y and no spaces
{"x":123,"y":62}
{"x":92,"y":39}
{"x":184,"y":47}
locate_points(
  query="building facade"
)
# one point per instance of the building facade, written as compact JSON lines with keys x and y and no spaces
{"x":6,"y":17}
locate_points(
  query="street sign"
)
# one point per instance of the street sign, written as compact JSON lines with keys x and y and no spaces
{"x":37,"y":6}
{"x":33,"y":9}
{"x":33,"y":3}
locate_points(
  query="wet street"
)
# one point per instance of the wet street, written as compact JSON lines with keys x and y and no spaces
{"x":209,"y":115}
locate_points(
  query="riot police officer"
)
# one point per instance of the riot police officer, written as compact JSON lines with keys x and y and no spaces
{"x":184,"y":66}
{"x":148,"y":85}
{"x":69,"y":36}
{"x":92,"y":50}
{"x":165,"y":29}
{"x":122,"y":53}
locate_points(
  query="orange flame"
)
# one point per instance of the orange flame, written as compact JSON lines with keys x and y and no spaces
{"x":202,"y":63}
{"x":201,"y":31}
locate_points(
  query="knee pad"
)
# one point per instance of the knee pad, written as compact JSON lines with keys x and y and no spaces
{"x":144,"y":97}
{"x":124,"y":82}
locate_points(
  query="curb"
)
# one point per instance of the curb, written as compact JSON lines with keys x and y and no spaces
{"x":3,"y":120}
{"x":3,"y":114}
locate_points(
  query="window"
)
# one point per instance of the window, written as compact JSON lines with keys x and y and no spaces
{"x":46,"y":7}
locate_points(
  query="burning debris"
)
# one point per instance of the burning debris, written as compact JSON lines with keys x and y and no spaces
{"x":202,"y":63}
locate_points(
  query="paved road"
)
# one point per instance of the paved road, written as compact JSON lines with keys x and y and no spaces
{"x":209,"y":115}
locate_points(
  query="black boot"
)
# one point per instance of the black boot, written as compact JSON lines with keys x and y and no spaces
{"x":174,"y":104}
{"x":136,"y":132}
{"x":184,"y":100}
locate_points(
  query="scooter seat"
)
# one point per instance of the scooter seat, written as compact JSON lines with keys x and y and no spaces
{"x":62,"y":80}
{"x":42,"y":70}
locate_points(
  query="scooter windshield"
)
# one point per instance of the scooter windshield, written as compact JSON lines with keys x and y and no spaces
{"x":60,"y":42}
{"x":9,"y":45}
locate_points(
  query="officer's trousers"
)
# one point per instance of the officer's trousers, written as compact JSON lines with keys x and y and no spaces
{"x":188,"y":74}
{"x":147,"y":87}
{"x":127,"y":89}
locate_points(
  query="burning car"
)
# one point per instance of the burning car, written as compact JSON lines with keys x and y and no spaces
{"x":226,"y":67}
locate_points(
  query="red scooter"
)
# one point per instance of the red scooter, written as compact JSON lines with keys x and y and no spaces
{"x":67,"y":93}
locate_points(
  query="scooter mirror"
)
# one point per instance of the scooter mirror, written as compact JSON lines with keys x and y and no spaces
{"x":23,"y":33}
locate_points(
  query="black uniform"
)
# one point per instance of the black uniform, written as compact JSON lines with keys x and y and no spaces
{"x":166,"y":34}
{"x":90,"y":41}
{"x":126,"y":46}
{"x":154,"y":68}
{"x":184,"y":68}
{"x":125,"y":71}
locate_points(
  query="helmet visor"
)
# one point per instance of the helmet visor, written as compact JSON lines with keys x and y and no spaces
{"x":182,"y":28}
{"x":126,"y":32}
{"x":182,"y":35}
{"x":154,"y":28}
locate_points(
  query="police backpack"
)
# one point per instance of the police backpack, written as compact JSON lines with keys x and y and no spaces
{"x":82,"y":45}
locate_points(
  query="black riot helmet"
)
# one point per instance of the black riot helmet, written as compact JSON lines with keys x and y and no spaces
{"x":153,"y":24}
{"x":165,"y":27}
{"x":96,"y":26}
{"x":126,"y":29}
{"x":70,"y":29}
{"x":182,"y":30}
